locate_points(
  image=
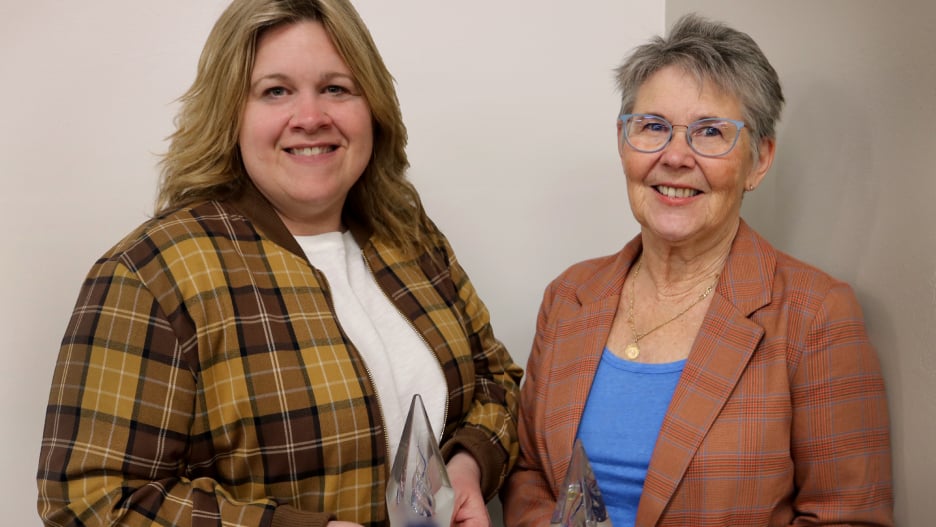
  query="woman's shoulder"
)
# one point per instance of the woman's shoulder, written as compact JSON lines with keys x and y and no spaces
{"x":197,"y":225}
{"x":588,"y":268}
{"x":591,"y":280}
{"x":812,"y":289}
{"x":794,"y":268}
{"x":600,"y":271}
{"x":756,"y":252}
{"x":794,"y":281}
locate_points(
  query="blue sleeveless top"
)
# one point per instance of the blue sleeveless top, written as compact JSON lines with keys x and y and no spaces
{"x":620,"y":425}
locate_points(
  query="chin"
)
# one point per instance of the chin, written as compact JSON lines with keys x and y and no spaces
{"x":671,"y":231}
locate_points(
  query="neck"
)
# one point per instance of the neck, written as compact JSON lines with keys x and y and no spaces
{"x":676,"y":270}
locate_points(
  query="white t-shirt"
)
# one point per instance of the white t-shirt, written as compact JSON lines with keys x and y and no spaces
{"x":400,"y":362}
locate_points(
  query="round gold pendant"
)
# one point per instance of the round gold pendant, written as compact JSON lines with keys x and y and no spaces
{"x":632,"y":351}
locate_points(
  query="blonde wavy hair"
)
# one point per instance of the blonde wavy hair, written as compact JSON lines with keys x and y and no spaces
{"x":203,"y":161}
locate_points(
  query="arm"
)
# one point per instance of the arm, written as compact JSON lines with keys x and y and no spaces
{"x":488,"y":431}
{"x":840,"y":441}
{"x":528,"y":495}
{"x":117,"y":438}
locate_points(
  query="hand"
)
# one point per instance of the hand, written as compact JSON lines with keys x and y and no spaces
{"x":465,"y":476}
{"x":336,"y":523}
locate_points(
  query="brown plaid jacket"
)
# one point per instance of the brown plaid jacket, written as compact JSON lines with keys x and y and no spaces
{"x":203,"y":380}
{"x":779,"y":417}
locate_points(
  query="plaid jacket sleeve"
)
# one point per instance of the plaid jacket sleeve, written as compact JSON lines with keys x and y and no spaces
{"x":529,"y":495}
{"x":489,"y":428}
{"x":840,"y":440}
{"x":436,"y":294}
{"x":119,"y":416}
{"x":570,"y":335}
{"x":190,"y":389}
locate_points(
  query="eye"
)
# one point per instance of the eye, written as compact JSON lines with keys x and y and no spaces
{"x":652,"y":125}
{"x":275,"y":92}
{"x":710,"y":129}
{"x":335,"y":89}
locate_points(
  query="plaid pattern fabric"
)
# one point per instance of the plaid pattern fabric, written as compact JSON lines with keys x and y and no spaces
{"x":779,"y":417}
{"x":204,"y":380}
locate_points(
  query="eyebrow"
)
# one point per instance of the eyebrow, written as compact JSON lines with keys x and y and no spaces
{"x":325,"y":77}
{"x":696,"y":119}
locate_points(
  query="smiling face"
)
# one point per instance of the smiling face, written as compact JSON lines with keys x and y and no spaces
{"x":306,"y":134}
{"x":679,"y":197}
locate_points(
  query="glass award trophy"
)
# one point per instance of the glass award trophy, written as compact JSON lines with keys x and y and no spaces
{"x":419,"y":493}
{"x":579,"y":503}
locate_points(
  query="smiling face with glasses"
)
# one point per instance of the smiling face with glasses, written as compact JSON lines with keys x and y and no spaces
{"x":688,"y":159}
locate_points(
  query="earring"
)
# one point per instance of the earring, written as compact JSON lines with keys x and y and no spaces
{"x":750,"y":188}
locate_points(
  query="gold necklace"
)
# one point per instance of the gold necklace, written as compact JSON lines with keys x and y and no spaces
{"x":632,"y":351}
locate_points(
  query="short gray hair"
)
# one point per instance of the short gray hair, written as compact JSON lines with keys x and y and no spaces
{"x":714,"y":52}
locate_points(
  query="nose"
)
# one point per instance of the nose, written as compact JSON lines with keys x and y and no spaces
{"x":678,"y":152}
{"x":309,"y":113}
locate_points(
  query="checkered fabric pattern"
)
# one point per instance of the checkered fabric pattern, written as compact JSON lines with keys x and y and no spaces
{"x":204,"y":380}
{"x":779,"y":418}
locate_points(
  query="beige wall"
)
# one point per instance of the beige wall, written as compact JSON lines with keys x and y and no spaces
{"x":853,"y":189}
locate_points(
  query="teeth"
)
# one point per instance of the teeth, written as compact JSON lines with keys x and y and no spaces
{"x":672,"y":192}
{"x":311,"y":151}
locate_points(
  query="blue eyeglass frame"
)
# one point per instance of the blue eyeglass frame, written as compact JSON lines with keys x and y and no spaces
{"x":625,"y":116}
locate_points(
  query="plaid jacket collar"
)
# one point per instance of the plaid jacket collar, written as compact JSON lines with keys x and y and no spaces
{"x":254,"y":205}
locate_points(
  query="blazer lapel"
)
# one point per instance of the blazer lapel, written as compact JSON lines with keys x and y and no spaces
{"x":573,"y":365}
{"x":719,"y":355}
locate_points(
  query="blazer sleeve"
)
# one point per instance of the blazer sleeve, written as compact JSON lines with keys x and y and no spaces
{"x":118,"y":420}
{"x":529,"y":497}
{"x":491,"y":420}
{"x":840,"y":431}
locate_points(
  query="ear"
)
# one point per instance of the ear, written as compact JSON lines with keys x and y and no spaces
{"x":619,"y":139}
{"x":765,"y":157}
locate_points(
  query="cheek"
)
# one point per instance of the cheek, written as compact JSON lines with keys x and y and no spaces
{"x":636,"y":168}
{"x":247,"y":136}
{"x":260,"y":123}
{"x":359,"y":122}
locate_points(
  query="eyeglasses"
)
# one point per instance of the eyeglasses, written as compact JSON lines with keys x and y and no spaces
{"x":707,"y":137}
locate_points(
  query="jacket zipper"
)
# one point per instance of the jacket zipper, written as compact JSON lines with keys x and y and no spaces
{"x":370,"y":376}
{"x":426,"y":342}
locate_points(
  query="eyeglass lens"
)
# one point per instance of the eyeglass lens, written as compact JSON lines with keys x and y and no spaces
{"x":709,"y":137}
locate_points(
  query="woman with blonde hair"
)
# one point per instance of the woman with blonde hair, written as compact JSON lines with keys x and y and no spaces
{"x":248,"y":356}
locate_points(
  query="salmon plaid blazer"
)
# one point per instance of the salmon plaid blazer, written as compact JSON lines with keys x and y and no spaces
{"x":779,"y":417}
{"x":204,"y":380}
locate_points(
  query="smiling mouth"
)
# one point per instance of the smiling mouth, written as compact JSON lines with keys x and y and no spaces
{"x":312,"y":150}
{"x":673,"y":192}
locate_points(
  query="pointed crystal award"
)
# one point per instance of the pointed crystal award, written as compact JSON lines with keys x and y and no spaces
{"x":419,"y":493}
{"x":579,"y":503}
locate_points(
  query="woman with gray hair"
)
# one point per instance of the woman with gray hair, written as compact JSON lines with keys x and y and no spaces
{"x":249,"y":355}
{"x":712,"y":379}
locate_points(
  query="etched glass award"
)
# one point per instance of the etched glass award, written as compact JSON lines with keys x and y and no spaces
{"x":579,"y":503}
{"x":419,"y":493}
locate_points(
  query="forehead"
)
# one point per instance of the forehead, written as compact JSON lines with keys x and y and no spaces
{"x":297,"y":44}
{"x":678,"y":94}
